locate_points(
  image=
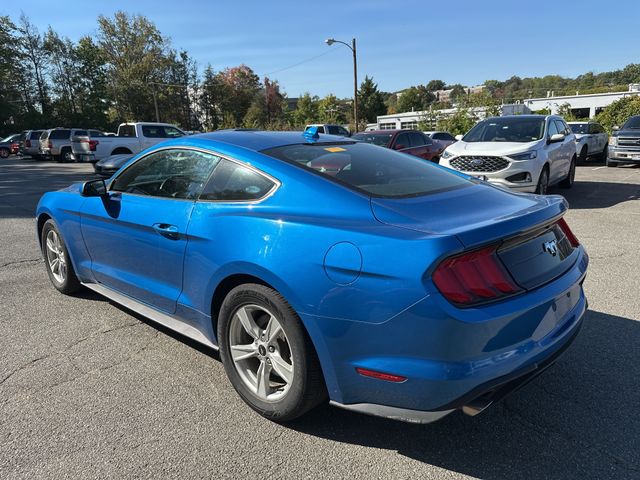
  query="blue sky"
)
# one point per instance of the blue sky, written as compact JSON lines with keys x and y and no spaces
{"x":400,"y":42}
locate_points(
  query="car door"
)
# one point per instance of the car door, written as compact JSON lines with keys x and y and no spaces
{"x":402,"y":143}
{"x":568,"y":147}
{"x":555,"y":152}
{"x":137,"y":234}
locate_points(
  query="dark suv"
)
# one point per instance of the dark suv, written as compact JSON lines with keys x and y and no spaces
{"x":624,"y":144}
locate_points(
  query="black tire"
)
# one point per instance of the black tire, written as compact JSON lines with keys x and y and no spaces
{"x":611,"y":163}
{"x":70,"y":284}
{"x":571,"y":176}
{"x":4,"y":153}
{"x":66,"y":155}
{"x":307,"y":389}
{"x":582,"y":158}
{"x":543,"y":181}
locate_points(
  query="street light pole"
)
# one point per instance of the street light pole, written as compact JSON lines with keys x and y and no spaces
{"x":352,"y":47}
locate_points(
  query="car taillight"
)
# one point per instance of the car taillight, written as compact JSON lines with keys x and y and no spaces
{"x":573,"y":240}
{"x":50,"y":144}
{"x":93,"y":144}
{"x":474,"y":277}
{"x":27,"y":143}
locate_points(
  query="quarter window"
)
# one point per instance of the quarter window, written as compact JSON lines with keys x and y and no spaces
{"x":232,"y":181}
{"x":553,"y":128}
{"x":172,"y":173}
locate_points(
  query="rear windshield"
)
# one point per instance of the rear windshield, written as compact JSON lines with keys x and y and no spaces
{"x":507,"y":129}
{"x":60,"y":134}
{"x":370,"y":169}
{"x":381,"y":139}
{"x":579,"y":127}
{"x":127,"y":131}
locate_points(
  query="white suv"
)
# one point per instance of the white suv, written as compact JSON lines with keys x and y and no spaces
{"x":523,"y":152}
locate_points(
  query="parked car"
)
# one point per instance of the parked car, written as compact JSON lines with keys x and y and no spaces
{"x":441,"y":139}
{"x":330,"y":129}
{"x":405,"y":141}
{"x":425,"y":291}
{"x":131,"y":138}
{"x":591,"y":140}
{"x":527,"y":153}
{"x":84,"y":147}
{"x":624,"y":144}
{"x":110,"y":165}
{"x":30,"y":143}
{"x":55,"y":143}
{"x":9,"y":145}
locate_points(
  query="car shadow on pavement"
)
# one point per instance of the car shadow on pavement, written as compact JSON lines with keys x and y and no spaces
{"x":591,"y":195}
{"x":577,"y":420}
{"x":23,"y":182}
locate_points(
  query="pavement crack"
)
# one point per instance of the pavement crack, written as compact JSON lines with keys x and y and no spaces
{"x":18,"y":262}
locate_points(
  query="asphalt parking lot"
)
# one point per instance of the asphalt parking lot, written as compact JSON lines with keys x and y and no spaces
{"x":90,"y":390}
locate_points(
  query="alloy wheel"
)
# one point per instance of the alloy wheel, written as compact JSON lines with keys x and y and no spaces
{"x":261,"y":352}
{"x":55,"y":257}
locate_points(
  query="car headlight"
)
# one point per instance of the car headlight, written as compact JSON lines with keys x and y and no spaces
{"x":447,"y":154}
{"x":613,"y":141}
{"x":524,"y":156}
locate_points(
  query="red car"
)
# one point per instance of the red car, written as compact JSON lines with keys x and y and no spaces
{"x":441,"y":140}
{"x":406,"y":141}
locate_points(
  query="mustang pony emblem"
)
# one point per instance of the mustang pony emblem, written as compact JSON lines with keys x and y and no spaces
{"x":550,"y":247}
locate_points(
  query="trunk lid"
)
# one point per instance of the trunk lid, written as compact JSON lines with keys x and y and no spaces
{"x":482,"y":214}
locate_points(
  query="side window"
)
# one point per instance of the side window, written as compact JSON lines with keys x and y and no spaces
{"x":172,"y":132}
{"x":439,"y":136}
{"x":403,"y":141}
{"x":173,"y":173}
{"x":417,"y":140}
{"x":343,"y":131}
{"x":80,"y":133}
{"x":320,"y":129}
{"x":553,"y":129}
{"x":562,"y":127}
{"x":153,"y":131}
{"x":232,"y":181}
{"x":96,"y":134}
{"x":333,"y":130}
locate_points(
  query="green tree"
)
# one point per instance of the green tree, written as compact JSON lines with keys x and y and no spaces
{"x":306,"y":110}
{"x":330,"y":111}
{"x":457,"y":92}
{"x":31,"y":47}
{"x":415,"y":99}
{"x":136,"y":54}
{"x":434,"y":85}
{"x":370,"y":101}
{"x":239,"y":88}
{"x":618,"y":112}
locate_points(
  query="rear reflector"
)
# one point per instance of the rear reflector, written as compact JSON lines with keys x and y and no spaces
{"x":380,"y":376}
{"x":573,"y":240}
{"x":474,"y":277}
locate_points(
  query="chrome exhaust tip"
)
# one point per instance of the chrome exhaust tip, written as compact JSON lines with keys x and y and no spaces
{"x":476,"y":406}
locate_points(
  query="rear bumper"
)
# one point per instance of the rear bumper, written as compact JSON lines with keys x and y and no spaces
{"x":452,"y":358}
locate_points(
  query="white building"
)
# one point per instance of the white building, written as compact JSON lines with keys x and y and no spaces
{"x":582,"y":106}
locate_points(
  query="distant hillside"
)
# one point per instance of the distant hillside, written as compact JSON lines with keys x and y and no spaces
{"x":516,"y":88}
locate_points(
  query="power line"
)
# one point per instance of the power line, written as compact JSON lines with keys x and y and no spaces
{"x":300,"y":62}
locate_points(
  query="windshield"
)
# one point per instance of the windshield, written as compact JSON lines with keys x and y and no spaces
{"x":579,"y":127}
{"x":381,"y":139}
{"x":507,"y":129}
{"x":633,"y":122}
{"x":372,"y":170}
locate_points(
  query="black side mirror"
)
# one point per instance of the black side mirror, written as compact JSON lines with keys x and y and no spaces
{"x":94,"y":188}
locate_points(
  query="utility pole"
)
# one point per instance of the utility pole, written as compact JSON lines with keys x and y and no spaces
{"x":352,"y":47}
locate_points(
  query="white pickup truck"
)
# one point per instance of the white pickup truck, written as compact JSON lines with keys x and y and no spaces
{"x":131,"y":138}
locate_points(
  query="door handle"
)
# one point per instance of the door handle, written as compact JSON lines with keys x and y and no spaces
{"x":166,"y":230}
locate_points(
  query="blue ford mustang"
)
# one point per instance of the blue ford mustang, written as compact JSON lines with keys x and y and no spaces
{"x":323,"y":267}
